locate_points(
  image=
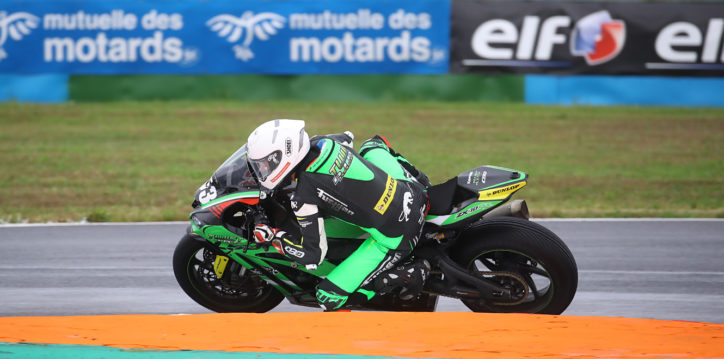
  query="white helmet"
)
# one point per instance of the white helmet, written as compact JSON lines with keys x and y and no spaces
{"x":275,"y":148}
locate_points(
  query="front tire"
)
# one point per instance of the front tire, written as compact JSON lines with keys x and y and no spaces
{"x":243,"y":291}
{"x":530,"y":261}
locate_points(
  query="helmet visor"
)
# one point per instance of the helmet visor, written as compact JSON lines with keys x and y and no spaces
{"x":264,"y":166}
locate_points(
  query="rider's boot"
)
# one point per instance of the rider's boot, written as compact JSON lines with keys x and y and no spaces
{"x":330,"y":297}
{"x":410,"y":277}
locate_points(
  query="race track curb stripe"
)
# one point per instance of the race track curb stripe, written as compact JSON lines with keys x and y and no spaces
{"x":440,"y":335}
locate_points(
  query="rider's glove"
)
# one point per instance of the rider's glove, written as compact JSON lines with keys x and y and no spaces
{"x":263,"y":233}
{"x":268,"y":235}
{"x":277,"y":243}
{"x":350,"y":140}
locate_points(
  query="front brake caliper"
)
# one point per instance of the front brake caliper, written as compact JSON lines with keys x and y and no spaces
{"x":220,"y":265}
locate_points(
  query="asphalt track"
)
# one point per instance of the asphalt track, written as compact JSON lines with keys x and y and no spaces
{"x":661,"y":269}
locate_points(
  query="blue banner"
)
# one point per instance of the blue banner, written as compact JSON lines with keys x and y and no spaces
{"x":224,"y":36}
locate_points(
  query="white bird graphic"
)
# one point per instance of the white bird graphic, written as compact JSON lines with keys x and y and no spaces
{"x":16,"y":25}
{"x":406,"y":202}
{"x":261,"y":26}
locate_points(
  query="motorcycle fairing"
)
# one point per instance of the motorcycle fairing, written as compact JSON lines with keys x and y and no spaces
{"x":218,"y":205}
{"x":221,"y":223}
{"x":262,"y":260}
{"x":478,"y":191}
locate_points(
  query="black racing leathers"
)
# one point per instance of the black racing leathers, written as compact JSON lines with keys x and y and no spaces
{"x":334,"y":180}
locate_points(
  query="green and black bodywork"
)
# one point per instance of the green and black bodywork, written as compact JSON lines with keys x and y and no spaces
{"x":482,"y":248}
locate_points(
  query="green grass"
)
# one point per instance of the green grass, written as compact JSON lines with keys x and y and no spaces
{"x":142,"y":161}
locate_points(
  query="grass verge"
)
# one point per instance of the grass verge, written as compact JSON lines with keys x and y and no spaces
{"x":142,"y":161}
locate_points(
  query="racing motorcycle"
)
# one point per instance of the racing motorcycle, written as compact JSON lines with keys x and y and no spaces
{"x":482,"y":248}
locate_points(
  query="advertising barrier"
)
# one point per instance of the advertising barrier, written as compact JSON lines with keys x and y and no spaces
{"x":640,"y":53}
{"x":671,"y":39}
{"x":224,"y":36}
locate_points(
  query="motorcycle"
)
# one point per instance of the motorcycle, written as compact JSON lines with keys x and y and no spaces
{"x":482,"y":247}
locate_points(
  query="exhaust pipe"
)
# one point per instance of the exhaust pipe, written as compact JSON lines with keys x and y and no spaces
{"x":517,"y":208}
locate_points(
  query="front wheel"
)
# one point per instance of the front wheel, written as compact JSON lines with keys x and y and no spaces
{"x":238,"y":290}
{"x":525,"y":258}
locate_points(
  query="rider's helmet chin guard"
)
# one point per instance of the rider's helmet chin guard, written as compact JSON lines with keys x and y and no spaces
{"x":275,"y":148}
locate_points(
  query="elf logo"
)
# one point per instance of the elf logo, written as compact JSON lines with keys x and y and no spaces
{"x":598,"y":38}
{"x":498,"y":42}
{"x":686,"y":46}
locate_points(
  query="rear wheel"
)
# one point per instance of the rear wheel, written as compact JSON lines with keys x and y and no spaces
{"x":525,"y":258}
{"x":239,"y":290}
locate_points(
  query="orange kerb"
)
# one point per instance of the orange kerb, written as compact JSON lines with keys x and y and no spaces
{"x":442,"y":335}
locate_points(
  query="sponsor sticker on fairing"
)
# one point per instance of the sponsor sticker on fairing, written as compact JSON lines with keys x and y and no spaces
{"x":500,"y":193}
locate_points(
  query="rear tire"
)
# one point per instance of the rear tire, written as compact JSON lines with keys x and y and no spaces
{"x":530,"y":252}
{"x":193,"y":266}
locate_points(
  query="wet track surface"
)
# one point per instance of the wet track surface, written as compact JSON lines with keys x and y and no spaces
{"x":632,"y":268}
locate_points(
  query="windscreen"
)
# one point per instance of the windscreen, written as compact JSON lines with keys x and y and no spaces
{"x":234,"y":173}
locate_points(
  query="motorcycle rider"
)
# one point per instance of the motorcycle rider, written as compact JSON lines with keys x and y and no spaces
{"x":375,"y":189}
